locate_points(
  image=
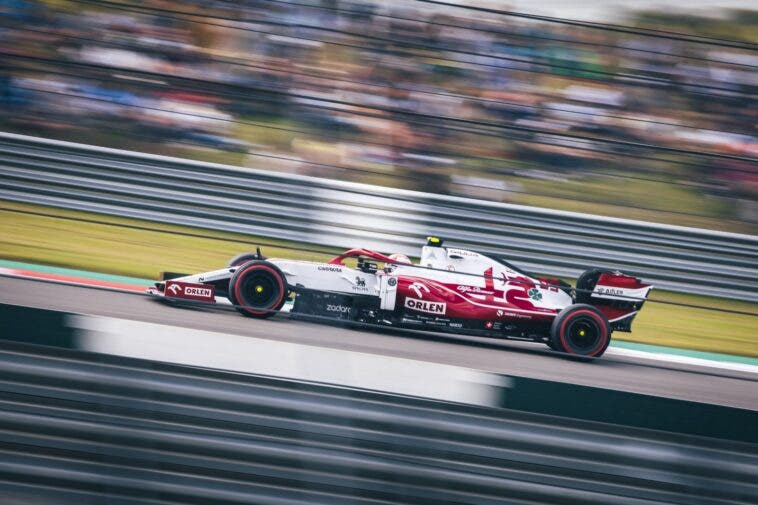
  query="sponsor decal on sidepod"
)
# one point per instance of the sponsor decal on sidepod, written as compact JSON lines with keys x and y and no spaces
{"x":475,"y":289}
{"x":425,"y":306}
{"x":337,"y":308}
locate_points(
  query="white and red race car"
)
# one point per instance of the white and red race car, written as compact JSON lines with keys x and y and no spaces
{"x":451,"y":290}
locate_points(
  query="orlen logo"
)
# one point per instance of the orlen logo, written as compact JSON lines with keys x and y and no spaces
{"x":419,"y":289}
{"x":193,"y":291}
{"x":425,"y":306}
{"x":190,"y":291}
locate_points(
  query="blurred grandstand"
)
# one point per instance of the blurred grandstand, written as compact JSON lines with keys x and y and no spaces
{"x":658,"y":125}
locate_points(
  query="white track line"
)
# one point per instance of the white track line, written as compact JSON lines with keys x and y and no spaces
{"x":686,"y":360}
{"x":285,"y":359}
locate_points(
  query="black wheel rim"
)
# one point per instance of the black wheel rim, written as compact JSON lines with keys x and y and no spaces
{"x":260,"y":290}
{"x":583,"y":333}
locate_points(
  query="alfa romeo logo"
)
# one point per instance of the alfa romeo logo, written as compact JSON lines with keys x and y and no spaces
{"x":535,"y":294}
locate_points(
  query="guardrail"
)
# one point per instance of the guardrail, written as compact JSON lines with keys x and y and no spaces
{"x":343,"y":214}
{"x":78,"y":427}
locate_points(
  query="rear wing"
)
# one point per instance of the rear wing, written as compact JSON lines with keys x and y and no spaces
{"x":619,"y":296}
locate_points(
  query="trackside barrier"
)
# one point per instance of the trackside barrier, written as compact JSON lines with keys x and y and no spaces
{"x":76,"y":425}
{"x":137,"y":339}
{"x":343,"y":214}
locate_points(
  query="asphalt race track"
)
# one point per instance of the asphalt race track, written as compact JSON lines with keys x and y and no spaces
{"x":675,"y":380}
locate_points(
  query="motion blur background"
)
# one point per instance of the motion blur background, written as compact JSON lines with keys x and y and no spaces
{"x":655,"y":121}
{"x":107,"y":397}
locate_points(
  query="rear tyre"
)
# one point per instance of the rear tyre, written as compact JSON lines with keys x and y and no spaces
{"x":258,"y":289}
{"x":581,"y":330}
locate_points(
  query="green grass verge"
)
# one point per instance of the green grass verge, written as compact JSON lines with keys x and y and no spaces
{"x":142,"y":249}
{"x":693,"y":328}
{"x":125,"y":246}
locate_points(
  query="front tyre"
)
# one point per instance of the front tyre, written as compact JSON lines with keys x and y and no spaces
{"x":581,"y":330}
{"x":258,"y":289}
{"x":244,"y":258}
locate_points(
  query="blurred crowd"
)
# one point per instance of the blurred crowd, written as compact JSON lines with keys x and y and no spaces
{"x":399,"y":93}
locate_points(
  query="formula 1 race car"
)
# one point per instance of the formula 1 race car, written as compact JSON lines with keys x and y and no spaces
{"x":452,"y":290}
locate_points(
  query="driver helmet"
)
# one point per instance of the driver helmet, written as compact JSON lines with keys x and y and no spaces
{"x":400,"y":258}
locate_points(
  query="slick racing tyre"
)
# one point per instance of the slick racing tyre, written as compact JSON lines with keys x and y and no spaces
{"x":581,"y":330}
{"x":258,"y":289}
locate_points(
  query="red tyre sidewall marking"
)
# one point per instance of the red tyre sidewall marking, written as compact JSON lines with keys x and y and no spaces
{"x":241,"y":262}
{"x":597,"y":318}
{"x":259,"y":267}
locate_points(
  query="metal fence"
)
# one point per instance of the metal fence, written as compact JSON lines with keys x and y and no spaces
{"x":84,"y":428}
{"x":343,"y":214}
